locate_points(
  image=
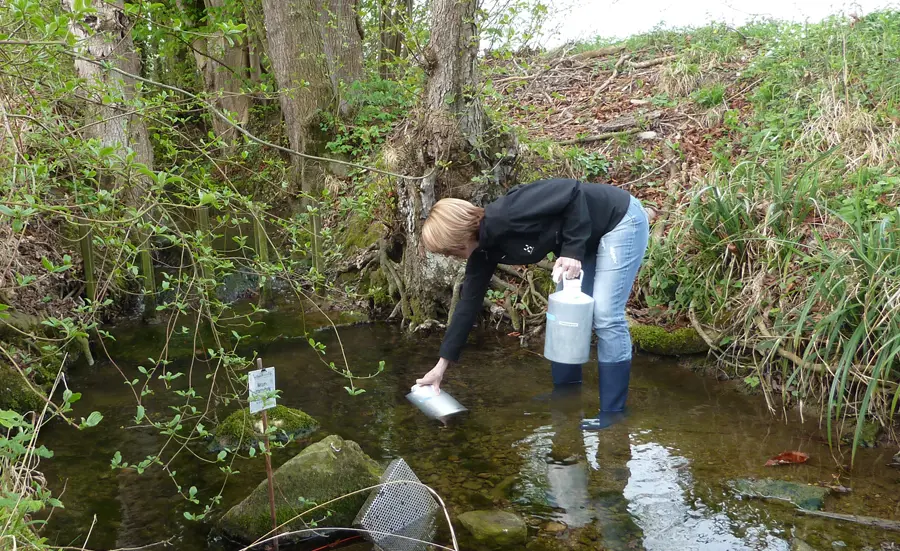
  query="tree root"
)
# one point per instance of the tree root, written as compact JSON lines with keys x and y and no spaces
{"x":395,"y":282}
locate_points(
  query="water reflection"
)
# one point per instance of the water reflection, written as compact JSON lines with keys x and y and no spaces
{"x":657,"y":492}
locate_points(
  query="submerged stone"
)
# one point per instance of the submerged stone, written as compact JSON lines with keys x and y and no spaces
{"x":243,"y":430}
{"x":322,"y":472}
{"x":804,"y":496}
{"x":868,"y":438}
{"x":495,"y":529}
{"x":658,"y":340}
{"x":800,"y":545}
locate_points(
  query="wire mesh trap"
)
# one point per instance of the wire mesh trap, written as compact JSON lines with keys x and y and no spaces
{"x":401,"y":514}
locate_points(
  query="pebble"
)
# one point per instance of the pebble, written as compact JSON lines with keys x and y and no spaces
{"x":453,"y":459}
{"x":472,"y":485}
{"x":554,"y":527}
{"x":484,"y":475}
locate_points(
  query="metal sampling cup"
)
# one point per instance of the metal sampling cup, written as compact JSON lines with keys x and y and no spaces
{"x":434,"y":405}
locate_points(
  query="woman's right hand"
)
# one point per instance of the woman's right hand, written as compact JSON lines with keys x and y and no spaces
{"x":435,"y":376}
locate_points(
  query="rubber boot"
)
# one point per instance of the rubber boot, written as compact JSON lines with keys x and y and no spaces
{"x":565,"y":374}
{"x":614,"y":379}
{"x":565,"y":413}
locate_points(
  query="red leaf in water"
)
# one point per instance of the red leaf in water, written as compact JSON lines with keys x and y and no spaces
{"x":514,"y":334}
{"x":787,"y":458}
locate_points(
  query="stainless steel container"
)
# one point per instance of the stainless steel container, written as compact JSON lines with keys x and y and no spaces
{"x":570,"y":316}
{"x":434,"y":405}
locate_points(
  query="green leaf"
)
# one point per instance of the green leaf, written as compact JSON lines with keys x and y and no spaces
{"x":252,"y":452}
{"x":92,"y":421}
{"x":46,"y":264}
{"x":222,"y":455}
{"x":189,"y":515}
{"x":140,"y":414}
{"x":192,"y":491}
{"x":6,"y":211}
{"x":9,"y":419}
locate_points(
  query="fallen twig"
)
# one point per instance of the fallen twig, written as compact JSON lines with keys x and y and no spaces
{"x":875,"y":522}
{"x":602,"y":52}
{"x":600,"y":137}
{"x":653,"y":62}
{"x":611,"y":78}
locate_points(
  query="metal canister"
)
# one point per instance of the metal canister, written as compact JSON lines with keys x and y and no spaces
{"x":434,"y":405}
{"x":570,"y":316}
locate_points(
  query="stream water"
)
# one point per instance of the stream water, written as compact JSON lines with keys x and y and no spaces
{"x":658,"y":481}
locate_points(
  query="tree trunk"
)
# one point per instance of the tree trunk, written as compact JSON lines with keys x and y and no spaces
{"x":225,"y":70}
{"x":394,"y":17}
{"x":342,"y":36}
{"x":296,"y":54}
{"x":256,"y":37}
{"x":452,"y":132}
{"x":224,"y":67}
{"x":104,"y":36}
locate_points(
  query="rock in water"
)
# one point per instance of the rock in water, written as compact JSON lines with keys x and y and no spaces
{"x":804,"y":496}
{"x":243,"y":430}
{"x":495,"y":529}
{"x":323,"y":471}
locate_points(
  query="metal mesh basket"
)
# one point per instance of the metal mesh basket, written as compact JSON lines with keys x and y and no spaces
{"x":397,"y":514}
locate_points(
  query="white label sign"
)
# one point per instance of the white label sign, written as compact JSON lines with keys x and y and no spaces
{"x":262,"y":389}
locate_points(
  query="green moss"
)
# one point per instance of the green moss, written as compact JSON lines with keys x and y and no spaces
{"x":657,"y":340}
{"x":241,"y":429}
{"x":377,"y":288}
{"x":360,"y":233}
{"x":322,"y":472}
{"x":15,"y":394}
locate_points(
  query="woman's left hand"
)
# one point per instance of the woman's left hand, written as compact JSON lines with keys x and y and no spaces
{"x":570,"y":267}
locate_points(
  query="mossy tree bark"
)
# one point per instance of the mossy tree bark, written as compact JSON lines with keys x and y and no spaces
{"x":342,"y":36}
{"x":297,"y":56}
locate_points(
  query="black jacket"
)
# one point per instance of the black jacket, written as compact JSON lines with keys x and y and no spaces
{"x":564,"y":217}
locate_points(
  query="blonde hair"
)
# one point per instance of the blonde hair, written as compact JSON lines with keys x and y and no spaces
{"x":451,"y":225}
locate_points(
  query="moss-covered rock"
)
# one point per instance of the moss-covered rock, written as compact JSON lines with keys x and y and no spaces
{"x":657,"y":340}
{"x":804,"y":496}
{"x":324,"y":471}
{"x":243,"y":430}
{"x":495,"y":529}
{"x":15,"y":394}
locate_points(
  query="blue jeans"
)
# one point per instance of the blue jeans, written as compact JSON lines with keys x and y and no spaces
{"x":608,"y":277}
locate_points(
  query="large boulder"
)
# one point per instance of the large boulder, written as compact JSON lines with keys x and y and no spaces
{"x":804,"y":496}
{"x":495,"y":529}
{"x":243,"y":430}
{"x":324,"y":471}
{"x":657,"y":340}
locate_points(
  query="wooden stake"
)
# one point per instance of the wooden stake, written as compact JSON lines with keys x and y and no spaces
{"x":85,"y":240}
{"x":262,"y":254}
{"x":265,"y":424}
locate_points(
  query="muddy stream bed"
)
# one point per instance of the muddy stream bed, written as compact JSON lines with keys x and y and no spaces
{"x":658,"y":481}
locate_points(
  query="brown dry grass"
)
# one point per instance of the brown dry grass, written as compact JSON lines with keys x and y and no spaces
{"x":835,"y":121}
